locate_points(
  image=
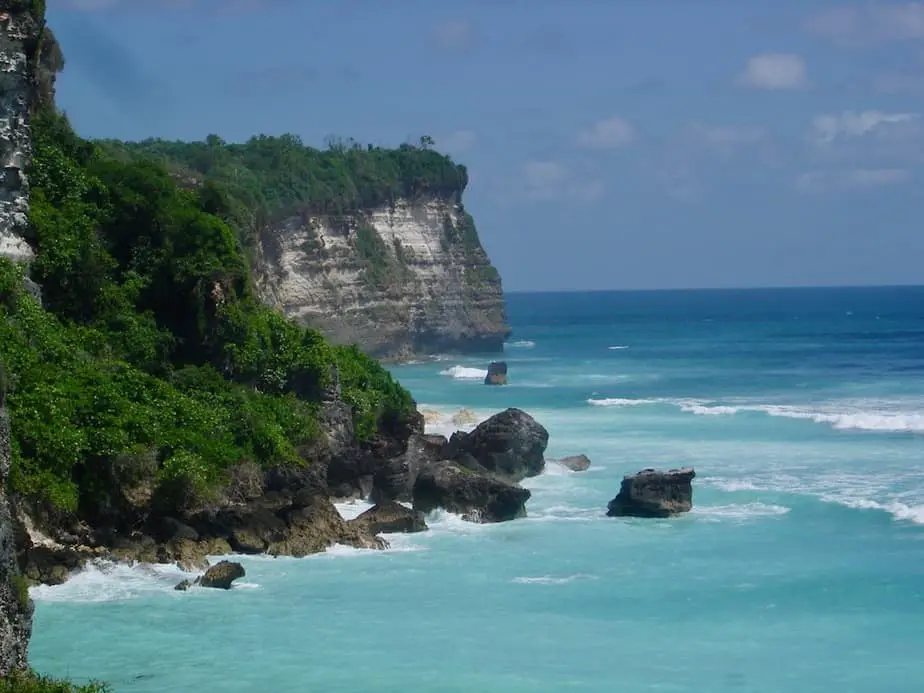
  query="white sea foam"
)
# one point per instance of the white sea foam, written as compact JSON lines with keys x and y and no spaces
{"x":873,"y":415}
{"x":552,"y":579}
{"x":459,"y":372}
{"x":745,"y":511}
{"x":352,"y":509}
{"x":618,"y":347}
{"x":521,"y":344}
{"x":105,"y":581}
{"x":618,"y":402}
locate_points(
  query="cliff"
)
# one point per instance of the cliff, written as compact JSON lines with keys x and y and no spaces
{"x":372,"y":246}
{"x":398,"y":280}
{"x":15,"y":605}
{"x":17,"y":38}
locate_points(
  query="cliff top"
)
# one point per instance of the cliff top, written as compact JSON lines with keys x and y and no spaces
{"x":281,"y":173}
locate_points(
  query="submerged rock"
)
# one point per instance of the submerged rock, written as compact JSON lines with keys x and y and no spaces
{"x":477,"y":496}
{"x":511,"y":444}
{"x":221,"y":575}
{"x":652,"y":493}
{"x":497,"y":373}
{"x":576,"y":463}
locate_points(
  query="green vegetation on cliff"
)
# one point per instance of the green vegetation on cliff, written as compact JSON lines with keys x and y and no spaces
{"x":251,"y":182}
{"x":28,"y":682}
{"x":151,"y":343}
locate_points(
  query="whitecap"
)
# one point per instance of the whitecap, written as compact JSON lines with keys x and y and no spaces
{"x":107,"y":581}
{"x":521,"y":344}
{"x":552,"y":579}
{"x":618,"y":402}
{"x":746,"y":511}
{"x":618,"y":347}
{"x":458,"y":372}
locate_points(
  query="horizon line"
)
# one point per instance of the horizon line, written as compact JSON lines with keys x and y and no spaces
{"x":715,"y":289}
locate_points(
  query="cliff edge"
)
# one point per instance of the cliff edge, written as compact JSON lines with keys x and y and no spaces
{"x":15,"y":605}
{"x":372,"y":246}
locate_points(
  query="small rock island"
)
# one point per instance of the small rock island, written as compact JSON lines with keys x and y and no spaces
{"x":653,"y":493}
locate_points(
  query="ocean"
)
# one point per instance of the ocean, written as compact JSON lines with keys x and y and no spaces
{"x":799,"y":570}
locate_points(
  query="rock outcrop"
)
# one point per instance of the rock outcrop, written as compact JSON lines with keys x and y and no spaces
{"x":497,"y":373}
{"x":390,"y":518}
{"x":576,"y":463}
{"x":477,"y":497}
{"x":18,"y":33}
{"x":510,"y":444}
{"x":221,"y":575}
{"x":15,"y":605}
{"x":404,"y":279}
{"x":652,"y":493}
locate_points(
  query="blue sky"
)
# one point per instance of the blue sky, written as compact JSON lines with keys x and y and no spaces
{"x":611,"y":143}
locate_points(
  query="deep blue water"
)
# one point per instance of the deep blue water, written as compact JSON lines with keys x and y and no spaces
{"x":800,"y":570}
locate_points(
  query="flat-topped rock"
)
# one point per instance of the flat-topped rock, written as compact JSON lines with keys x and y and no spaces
{"x":653,"y":493}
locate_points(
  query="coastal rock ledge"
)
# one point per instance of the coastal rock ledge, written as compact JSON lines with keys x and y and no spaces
{"x":653,"y":493}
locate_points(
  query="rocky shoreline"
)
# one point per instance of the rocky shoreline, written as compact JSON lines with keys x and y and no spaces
{"x":290,"y":511}
{"x":405,"y":472}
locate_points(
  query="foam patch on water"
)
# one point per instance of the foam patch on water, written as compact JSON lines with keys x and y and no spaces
{"x":350,"y":510}
{"x":618,"y":347}
{"x":619,"y":402}
{"x":459,"y":372}
{"x":552,"y":579}
{"x":745,"y":511}
{"x":862,"y":415}
{"x":520,"y":344}
{"x":105,"y":581}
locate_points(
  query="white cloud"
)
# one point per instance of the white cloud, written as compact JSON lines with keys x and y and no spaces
{"x":855,"y":26}
{"x":607,"y":134}
{"x":453,"y":35}
{"x":774,"y":71}
{"x":549,"y":180}
{"x":456,"y":142}
{"x":849,"y":179}
{"x":827,"y":128}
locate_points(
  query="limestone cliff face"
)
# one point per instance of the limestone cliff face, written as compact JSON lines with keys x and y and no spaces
{"x":398,"y":280}
{"x":15,"y":605}
{"x":18,"y":35}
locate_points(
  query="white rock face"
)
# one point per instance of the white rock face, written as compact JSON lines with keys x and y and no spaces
{"x":15,"y":92}
{"x":406,"y":279}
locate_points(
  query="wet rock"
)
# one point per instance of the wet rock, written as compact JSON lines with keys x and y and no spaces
{"x":497,"y":373}
{"x":390,"y":517}
{"x":478,"y":497}
{"x":576,"y":463}
{"x":221,"y":575}
{"x":511,"y":444}
{"x":184,"y":585}
{"x":653,"y":493}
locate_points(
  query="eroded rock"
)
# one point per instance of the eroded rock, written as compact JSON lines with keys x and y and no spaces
{"x":511,"y":444}
{"x":477,"y":497}
{"x":653,"y":493}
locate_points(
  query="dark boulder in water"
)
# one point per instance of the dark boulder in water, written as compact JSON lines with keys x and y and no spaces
{"x":497,"y":373}
{"x":221,"y":575}
{"x":390,"y":517}
{"x":477,"y":497}
{"x":511,"y":444}
{"x":576,"y":463}
{"x":652,"y":493}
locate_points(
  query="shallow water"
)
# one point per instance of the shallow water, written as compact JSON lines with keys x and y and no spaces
{"x":801,"y":568}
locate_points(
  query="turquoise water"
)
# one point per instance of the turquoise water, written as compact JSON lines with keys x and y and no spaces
{"x":801,"y":568}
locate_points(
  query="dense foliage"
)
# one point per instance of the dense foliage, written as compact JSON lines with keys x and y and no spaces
{"x":29,"y":682}
{"x":266,"y":175}
{"x":151,"y":344}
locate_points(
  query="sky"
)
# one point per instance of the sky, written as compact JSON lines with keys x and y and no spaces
{"x":611,"y":144}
